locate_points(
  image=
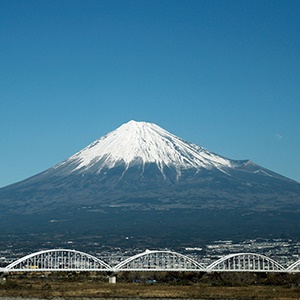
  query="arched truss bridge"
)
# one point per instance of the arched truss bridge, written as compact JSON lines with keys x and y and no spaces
{"x":58,"y":260}
{"x":72,"y":260}
{"x":246,"y":262}
{"x":159,"y":261}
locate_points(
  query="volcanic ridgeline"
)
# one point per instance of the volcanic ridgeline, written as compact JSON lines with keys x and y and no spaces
{"x":140,"y":179}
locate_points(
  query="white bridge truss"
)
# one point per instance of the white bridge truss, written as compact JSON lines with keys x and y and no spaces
{"x":58,"y":260}
{"x":159,"y":261}
{"x":295,"y":267}
{"x":72,"y":260}
{"x":246,"y":262}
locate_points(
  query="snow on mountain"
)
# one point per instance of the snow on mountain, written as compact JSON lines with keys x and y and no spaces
{"x":140,"y":166}
{"x":143,"y":142}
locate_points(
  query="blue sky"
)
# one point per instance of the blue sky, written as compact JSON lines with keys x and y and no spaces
{"x":222,"y":74}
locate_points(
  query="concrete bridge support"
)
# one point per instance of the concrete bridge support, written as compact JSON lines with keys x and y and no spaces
{"x":112,"y":279}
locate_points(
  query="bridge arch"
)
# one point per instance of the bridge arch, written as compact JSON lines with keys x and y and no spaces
{"x":58,"y":259}
{"x":153,"y":260}
{"x":249,"y":262}
{"x":295,"y":267}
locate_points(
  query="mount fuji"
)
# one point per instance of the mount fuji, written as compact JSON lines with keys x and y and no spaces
{"x":140,"y":169}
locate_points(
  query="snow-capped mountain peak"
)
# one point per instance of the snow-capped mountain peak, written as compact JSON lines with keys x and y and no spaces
{"x":143,"y":143}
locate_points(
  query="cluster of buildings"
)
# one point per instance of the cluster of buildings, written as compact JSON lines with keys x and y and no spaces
{"x":284,"y":251}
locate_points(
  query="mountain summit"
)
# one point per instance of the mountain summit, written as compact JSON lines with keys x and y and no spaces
{"x":142,"y":174}
{"x":142,"y":143}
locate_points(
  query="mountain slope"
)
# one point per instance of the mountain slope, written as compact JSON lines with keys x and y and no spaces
{"x":140,"y":166}
{"x":141,"y":143}
{"x":142,"y":182}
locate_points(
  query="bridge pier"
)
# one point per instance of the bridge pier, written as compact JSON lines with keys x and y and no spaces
{"x":3,"y":278}
{"x":112,"y":279}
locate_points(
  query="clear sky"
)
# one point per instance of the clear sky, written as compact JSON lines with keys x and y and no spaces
{"x":222,"y":74}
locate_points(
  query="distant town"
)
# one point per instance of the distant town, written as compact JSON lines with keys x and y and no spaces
{"x":284,"y":251}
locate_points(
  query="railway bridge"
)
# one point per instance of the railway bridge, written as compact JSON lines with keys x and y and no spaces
{"x":150,"y":260}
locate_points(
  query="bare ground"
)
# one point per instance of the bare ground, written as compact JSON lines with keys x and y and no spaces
{"x":27,"y":288}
